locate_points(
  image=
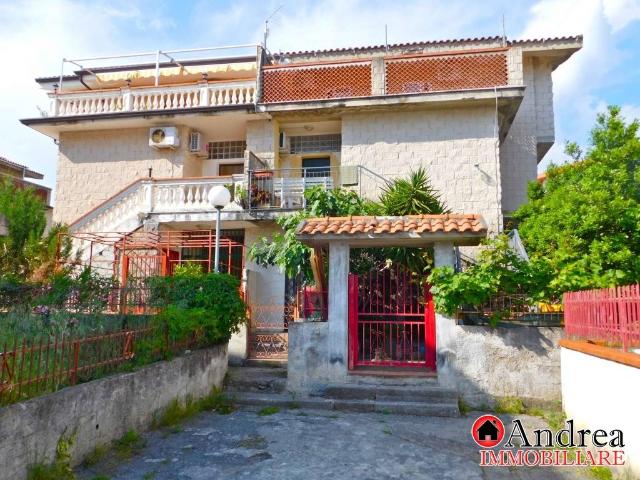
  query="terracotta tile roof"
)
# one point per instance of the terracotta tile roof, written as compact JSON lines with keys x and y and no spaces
{"x":431,"y":42}
{"x":458,"y":223}
{"x":26,"y":171}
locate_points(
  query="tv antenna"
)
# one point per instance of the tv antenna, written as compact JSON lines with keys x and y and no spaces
{"x":266,"y":25}
{"x":504,"y":32}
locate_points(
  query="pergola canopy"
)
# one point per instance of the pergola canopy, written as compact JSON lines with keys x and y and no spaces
{"x":409,"y":230}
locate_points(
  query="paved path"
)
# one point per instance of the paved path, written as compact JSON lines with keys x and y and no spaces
{"x":296,"y":444}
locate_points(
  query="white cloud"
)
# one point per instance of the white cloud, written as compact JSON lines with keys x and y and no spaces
{"x":36,"y":36}
{"x":630,"y":112}
{"x":621,"y":13}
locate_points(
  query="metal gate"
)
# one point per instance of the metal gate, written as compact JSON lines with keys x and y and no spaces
{"x":391,"y":320}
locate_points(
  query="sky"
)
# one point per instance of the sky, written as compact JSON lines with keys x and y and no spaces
{"x":38,"y":34}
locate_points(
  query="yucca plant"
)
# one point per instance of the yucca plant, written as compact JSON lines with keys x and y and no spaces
{"x":412,"y":196}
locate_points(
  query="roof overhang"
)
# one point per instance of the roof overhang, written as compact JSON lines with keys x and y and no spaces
{"x":419,"y":231}
{"x":508,"y":101}
{"x":53,"y":126}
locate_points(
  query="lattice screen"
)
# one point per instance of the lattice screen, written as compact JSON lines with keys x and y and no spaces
{"x":290,"y":84}
{"x":451,"y":72}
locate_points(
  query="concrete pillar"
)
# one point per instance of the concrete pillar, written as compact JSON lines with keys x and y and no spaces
{"x":338,"y":310}
{"x":444,"y":254}
{"x":377,"y":76}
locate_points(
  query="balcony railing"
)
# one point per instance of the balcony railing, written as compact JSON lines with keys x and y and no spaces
{"x":153,"y":99}
{"x":392,"y":75}
{"x":275,"y":190}
{"x":284,"y":188}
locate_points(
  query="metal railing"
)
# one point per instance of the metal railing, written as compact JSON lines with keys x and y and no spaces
{"x":285,"y":188}
{"x":609,"y":315}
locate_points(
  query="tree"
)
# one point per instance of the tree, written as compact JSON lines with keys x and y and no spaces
{"x":24,"y":251}
{"x":411,"y":196}
{"x":287,"y":252}
{"x":585,"y":220}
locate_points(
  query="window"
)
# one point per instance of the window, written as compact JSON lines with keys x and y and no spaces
{"x":316,"y":143}
{"x":226,"y":150}
{"x":224,"y":170}
{"x":316,"y":167}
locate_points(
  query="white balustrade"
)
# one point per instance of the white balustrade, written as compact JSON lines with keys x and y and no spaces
{"x":157,"y":98}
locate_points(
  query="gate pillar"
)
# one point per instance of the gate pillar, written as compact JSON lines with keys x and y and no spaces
{"x":338,"y":308}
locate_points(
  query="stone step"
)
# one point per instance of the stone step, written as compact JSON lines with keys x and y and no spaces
{"x":424,"y":394}
{"x":284,"y":400}
{"x":256,"y":362}
{"x":256,"y":379}
{"x":280,"y":400}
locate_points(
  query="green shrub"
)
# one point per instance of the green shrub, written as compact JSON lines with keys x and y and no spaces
{"x":499,"y":270}
{"x":207,"y":306}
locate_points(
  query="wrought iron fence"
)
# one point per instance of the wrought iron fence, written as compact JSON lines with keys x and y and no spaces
{"x":29,"y":368}
{"x":513,"y":309}
{"x":609,"y":315}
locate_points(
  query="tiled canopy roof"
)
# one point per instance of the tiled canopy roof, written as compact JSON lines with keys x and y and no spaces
{"x":421,"y":224}
{"x":18,"y":167}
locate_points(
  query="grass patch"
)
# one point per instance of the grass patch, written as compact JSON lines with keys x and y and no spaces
{"x":129,"y":444}
{"x":268,"y":411}
{"x":386,"y":430}
{"x":510,"y":405}
{"x":60,"y":469}
{"x":463,"y":406}
{"x":101,"y":477}
{"x":149,"y":476}
{"x":601,"y":473}
{"x":176,"y":412}
{"x":293,"y":406}
{"x":95,"y":456}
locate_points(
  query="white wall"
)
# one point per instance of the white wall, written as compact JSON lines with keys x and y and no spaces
{"x":599,"y":393}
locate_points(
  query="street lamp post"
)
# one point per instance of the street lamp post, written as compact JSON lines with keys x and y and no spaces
{"x":219,"y":197}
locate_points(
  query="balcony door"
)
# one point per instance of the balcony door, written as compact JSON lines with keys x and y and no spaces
{"x":318,"y":167}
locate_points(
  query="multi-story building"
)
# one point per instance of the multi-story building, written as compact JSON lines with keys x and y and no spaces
{"x":140,"y":146}
{"x":18,"y":174}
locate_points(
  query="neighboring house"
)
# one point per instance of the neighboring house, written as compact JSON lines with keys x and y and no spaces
{"x":18,"y":174}
{"x":140,"y":146}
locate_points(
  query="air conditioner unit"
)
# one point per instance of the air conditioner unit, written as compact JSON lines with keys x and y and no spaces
{"x":283,"y":143}
{"x":195,"y":142}
{"x":164,"y":137}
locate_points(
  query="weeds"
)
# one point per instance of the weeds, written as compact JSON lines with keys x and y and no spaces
{"x":60,"y":469}
{"x":178,"y":411}
{"x":268,"y":411}
{"x":601,"y":473}
{"x":129,"y":444}
{"x":510,"y":405}
{"x":95,"y":456}
{"x":463,"y":406}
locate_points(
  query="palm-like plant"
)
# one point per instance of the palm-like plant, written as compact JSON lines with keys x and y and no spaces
{"x":412,"y":196}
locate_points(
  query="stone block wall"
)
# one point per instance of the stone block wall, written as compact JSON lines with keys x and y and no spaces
{"x":93,"y":166}
{"x":457,"y":147}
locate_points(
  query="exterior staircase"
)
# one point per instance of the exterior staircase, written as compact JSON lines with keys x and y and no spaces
{"x":266,"y":387}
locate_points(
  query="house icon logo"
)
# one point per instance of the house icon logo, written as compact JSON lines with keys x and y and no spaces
{"x":487,"y":431}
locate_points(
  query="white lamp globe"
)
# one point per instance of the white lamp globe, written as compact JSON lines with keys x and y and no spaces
{"x":219,"y":196}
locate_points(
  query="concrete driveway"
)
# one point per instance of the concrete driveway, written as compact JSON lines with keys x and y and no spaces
{"x":297,"y":444}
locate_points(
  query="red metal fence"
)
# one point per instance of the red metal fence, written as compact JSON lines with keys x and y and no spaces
{"x":610,"y":315}
{"x":31,"y":368}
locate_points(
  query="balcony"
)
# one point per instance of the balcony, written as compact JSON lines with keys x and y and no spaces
{"x":258,"y":193}
{"x":169,"y":98}
{"x":386,"y":76}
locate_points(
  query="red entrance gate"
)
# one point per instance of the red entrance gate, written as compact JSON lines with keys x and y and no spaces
{"x":391,"y":320}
